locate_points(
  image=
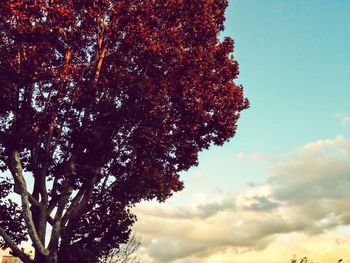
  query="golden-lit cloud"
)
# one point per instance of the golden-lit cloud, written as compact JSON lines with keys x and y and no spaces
{"x":301,"y":208}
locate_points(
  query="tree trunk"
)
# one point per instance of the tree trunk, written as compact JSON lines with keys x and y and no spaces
{"x":64,"y":256}
{"x":51,"y":258}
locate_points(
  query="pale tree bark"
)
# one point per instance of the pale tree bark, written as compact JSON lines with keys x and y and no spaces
{"x":43,"y":255}
{"x":20,"y":183}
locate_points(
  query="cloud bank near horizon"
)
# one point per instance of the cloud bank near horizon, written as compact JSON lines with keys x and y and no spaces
{"x":305,"y":194}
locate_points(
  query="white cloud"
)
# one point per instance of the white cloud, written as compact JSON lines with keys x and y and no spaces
{"x":257,"y":157}
{"x":307,"y":193}
{"x":343,"y":118}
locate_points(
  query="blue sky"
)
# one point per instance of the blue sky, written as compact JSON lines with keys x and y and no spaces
{"x":294,"y":65}
{"x":294,"y":61}
{"x":290,"y":153}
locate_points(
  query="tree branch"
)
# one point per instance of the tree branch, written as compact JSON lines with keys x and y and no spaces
{"x":16,"y":251}
{"x":54,"y":197}
{"x":79,"y":206}
{"x":62,"y":201}
{"x":35,"y":203}
{"x":16,"y":170}
{"x":101,"y":56}
{"x":73,"y":205}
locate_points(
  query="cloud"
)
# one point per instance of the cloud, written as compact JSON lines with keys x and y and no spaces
{"x":262,"y":204}
{"x":174,"y":248}
{"x":306,"y":193}
{"x":200,"y":210}
{"x":343,"y":118}
{"x":257,"y":157}
{"x":320,"y":248}
{"x":317,"y":172}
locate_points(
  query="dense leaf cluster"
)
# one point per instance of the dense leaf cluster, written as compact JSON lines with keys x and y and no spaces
{"x":11,"y":220}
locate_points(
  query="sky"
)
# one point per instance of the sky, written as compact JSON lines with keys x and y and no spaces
{"x":281,"y":186}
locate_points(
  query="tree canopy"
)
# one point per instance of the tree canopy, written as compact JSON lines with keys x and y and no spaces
{"x":102,"y":104}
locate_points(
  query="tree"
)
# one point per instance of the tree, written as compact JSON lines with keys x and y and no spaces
{"x":102,"y":104}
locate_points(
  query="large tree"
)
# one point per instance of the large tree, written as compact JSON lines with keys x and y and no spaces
{"x":102,"y":104}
